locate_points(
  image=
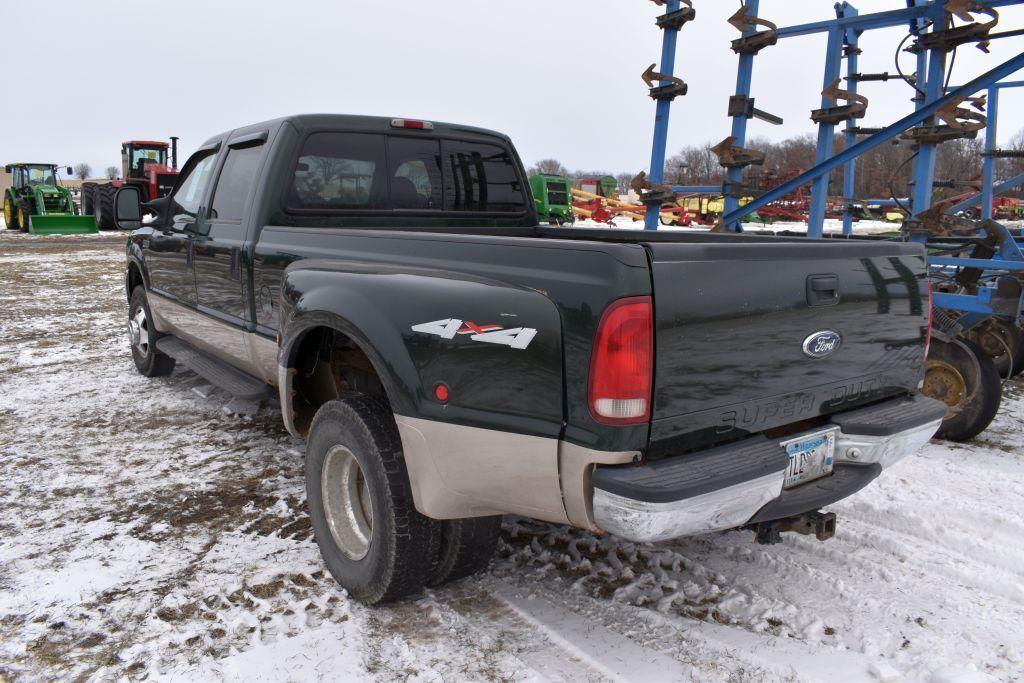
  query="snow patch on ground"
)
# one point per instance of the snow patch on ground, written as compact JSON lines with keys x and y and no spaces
{"x":154,"y":529}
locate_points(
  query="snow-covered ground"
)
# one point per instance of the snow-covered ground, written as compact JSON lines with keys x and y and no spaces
{"x":156,"y":529}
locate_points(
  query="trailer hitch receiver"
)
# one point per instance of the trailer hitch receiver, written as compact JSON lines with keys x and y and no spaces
{"x":821,"y":525}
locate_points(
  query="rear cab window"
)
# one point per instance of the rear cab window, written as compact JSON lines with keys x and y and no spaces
{"x":355,"y":172}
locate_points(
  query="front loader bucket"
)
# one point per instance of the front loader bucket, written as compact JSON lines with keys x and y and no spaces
{"x":62,"y":225}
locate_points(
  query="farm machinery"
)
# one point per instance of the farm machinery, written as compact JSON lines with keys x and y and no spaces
{"x":553,"y":196}
{"x":144,"y":164}
{"x":37,"y":203}
{"x":976,"y":288}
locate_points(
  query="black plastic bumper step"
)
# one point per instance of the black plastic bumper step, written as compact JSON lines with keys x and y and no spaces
{"x":214,"y":370}
{"x":891,"y":417}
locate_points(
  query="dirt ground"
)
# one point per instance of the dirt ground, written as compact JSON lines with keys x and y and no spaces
{"x":156,"y":529}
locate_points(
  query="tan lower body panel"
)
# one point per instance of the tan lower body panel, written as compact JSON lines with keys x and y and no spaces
{"x":459,"y":471}
{"x":245,"y":350}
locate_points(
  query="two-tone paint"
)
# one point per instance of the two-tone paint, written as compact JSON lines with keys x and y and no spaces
{"x":515,"y":433}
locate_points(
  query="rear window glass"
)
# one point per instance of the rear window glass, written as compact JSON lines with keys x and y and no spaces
{"x":481,"y":177}
{"x":416,"y":181}
{"x":366,"y":172}
{"x":340,"y":171}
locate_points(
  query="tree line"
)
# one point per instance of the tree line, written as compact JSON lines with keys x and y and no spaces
{"x":881,"y":172}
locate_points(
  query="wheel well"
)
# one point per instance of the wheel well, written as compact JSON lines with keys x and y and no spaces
{"x":327,"y":365}
{"x":134,"y":278}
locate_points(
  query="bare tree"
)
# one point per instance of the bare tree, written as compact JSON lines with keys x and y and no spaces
{"x":113,"y":172}
{"x":83,"y":171}
{"x":548,"y":167}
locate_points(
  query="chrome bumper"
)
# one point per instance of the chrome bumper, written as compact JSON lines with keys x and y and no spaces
{"x":735,"y":505}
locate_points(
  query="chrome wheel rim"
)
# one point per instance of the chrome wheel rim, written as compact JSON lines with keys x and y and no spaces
{"x":346,"y":497}
{"x":138,"y":331}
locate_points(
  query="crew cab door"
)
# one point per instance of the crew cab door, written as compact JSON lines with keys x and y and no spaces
{"x":170,"y":253}
{"x":221,"y":282}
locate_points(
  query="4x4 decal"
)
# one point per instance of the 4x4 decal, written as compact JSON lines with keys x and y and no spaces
{"x":515,"y":337}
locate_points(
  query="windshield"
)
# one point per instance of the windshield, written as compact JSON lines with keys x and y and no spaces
{"x":35,"y":175}
{"x":140,"y":154}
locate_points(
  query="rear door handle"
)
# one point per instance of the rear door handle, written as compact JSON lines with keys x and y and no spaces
{"x":822,"y":290}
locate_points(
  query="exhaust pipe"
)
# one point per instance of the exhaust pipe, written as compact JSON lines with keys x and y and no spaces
{"x":174,"y":152}
{"x":821,"y":525}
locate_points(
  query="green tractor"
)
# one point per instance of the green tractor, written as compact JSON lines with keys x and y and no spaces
{"x":553,"y":196}
{"x":36,"y":203}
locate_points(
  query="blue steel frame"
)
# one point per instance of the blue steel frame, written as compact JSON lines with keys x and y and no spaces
{"x":664,"y":108}
{"x":989,"y":191}
{"x":843,"y":32}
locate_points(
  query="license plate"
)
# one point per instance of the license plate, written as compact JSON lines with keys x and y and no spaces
{"x":810,"y":457}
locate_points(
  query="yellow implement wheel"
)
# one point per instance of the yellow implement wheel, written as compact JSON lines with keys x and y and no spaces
{"x":10,"y":213}
{"x":944,"y":383}
{"x":960,"y":374}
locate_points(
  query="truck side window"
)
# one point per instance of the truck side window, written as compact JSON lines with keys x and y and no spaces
{"x":481,"y":177}
{"x":340,"y":171}
{"x":235,"y":182}
{"x":189,"y":195}
{"x":416,"y":178}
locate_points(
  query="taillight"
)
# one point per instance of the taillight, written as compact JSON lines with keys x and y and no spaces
{"x":622,"y":363}
{"x":931,"y":317}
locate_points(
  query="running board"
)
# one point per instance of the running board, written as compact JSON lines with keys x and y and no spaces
{"x":214,"y":370}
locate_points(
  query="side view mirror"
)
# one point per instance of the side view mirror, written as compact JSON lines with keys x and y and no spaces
{"x":71,"y":171}
{"x":128,"y":208}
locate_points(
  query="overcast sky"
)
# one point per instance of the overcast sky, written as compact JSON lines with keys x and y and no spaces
{"x":561,"y":77}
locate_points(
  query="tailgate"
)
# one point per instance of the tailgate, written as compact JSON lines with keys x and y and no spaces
{"x":733,"y":320}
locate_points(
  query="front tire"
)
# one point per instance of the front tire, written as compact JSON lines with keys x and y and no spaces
{"x":142,"y":335}
{"x":960,"y":374}
{"x":371,"y":537}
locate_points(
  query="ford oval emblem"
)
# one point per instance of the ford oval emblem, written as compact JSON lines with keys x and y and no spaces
{"x":822,"y":344}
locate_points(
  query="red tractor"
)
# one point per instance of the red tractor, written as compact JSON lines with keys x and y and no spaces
{"x":144,"y":165}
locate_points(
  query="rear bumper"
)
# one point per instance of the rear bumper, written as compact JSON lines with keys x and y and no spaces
{"x":740,"y":483}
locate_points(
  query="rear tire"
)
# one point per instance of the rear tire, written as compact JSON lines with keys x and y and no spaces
{"x":142,"y":336}
{"x":371,"y":537}
{"x":88,"y":198}
{"x":10,"y":213}
{"x":466,"y":547}
{"x":104,"y":206}
{"x":961,"y":375}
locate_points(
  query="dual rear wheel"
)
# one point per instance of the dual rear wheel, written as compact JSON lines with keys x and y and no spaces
{"x":372,"y":539}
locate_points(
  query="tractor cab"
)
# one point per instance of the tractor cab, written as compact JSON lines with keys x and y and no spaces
{"x":136,"y":155}
{"x":26,"y":176}
{"x":144,"y":164}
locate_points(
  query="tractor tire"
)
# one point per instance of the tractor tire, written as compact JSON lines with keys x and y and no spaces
{"x":142,"y":336}
{"x":104,"y":205}
{"x":88,"y":198}
{"x":961,"y":375}
{"x":10,"y":213}
{"x":1003,"y":342}
{"x":371,"y":537}
{"x":24,"y":215}
{"x":465,"y":547}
